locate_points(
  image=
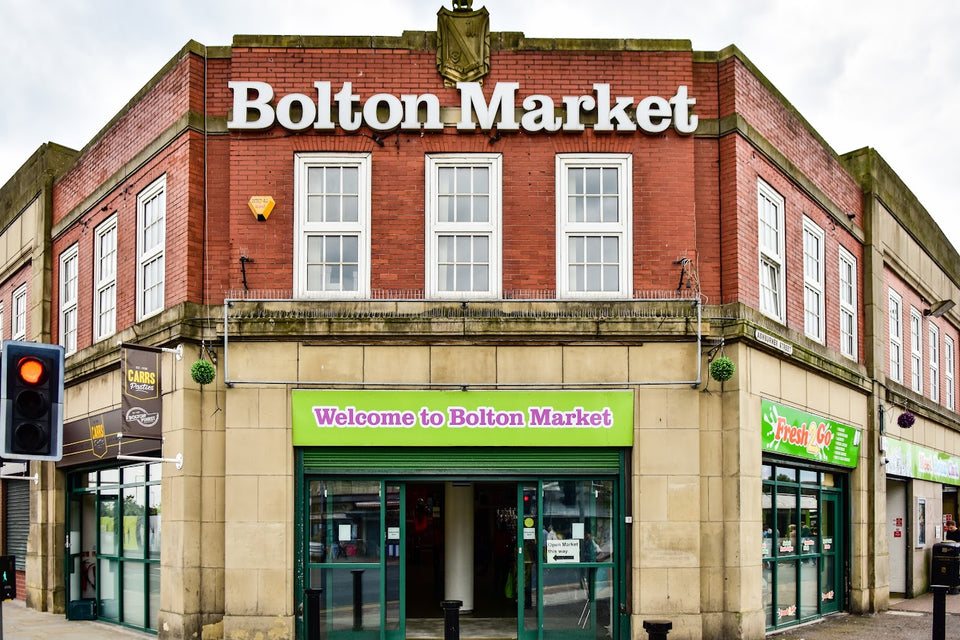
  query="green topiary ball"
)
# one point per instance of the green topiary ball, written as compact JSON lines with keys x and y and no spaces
{"x":721,"y":369}
{"x":202,"y":372}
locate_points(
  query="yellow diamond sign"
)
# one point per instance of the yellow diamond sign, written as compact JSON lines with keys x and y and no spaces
{"x":261,"y":206}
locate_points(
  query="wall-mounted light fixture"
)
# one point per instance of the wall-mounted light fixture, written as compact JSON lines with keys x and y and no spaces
{"x":939,"y":308}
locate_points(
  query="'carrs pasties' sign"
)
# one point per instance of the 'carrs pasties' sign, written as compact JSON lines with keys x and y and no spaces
{"x":797,"y":433}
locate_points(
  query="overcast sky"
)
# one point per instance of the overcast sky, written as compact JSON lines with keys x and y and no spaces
{"x":863,"y":73}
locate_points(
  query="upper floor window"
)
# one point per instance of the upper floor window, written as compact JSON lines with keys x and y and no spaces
{"x":813,"y":280}
{"x":332,"y":226}
{"x":916,"y":350}
{"x":151,"y":242}
{"x":105,"y":279}
{"x":594,"y":222}
{"x":949,"y":362}
{"x":18,"y":323}
{"x":771,"y":242}
{"x":848,"y":304}
{"x":934,"y":363}
{"x":463,"y":226}
{"x":69,"y":268}
{"x":895,"y":331}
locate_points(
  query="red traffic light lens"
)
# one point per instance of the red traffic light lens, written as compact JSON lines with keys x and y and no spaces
{"x":31,"y":371}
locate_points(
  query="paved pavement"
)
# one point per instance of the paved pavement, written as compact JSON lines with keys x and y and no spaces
{"x":21,"y":623}
{"x":906,"y":620}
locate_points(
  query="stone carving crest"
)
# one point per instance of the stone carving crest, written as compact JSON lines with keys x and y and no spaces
{"x":463,"y":43}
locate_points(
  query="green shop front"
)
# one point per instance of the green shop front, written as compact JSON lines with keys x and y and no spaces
{"x":806,"y":464}
{"x":507,"y":506}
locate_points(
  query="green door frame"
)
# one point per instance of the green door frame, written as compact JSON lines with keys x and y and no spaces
{"x":832,"y":501}
{"x":400,"y":476}
{"x":832,"y":498}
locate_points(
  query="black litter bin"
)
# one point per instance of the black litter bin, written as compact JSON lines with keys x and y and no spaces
{"x":945,"y":566}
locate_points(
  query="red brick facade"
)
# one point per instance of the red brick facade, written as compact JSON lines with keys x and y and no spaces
{"x":694,"y":196}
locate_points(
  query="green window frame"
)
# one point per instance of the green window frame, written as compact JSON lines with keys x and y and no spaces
{"x":804,"y":546}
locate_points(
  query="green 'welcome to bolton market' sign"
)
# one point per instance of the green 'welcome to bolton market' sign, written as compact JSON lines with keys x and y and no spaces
{"x":462,"y":418}
{"x":797,"y":433}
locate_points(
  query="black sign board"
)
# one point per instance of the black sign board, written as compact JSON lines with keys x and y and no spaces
{"x":140,"y":399}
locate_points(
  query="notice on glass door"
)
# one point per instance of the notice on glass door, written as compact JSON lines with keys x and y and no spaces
{"x":563,"y":551}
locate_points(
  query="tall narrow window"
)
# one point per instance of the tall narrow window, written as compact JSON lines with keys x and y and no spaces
{"x":934,"y":363}
{"x":895,"y":331}
{"x":332,"y":222}
{"x":813,"y":280}
{"x":594,"y":222}
{"x":949,"y":362}
{"x":151,"y":242}
{"x":18,"y":323}
{"x":68,"y":298}
{"x":771,"y":207}
{"x":916,"y":350}
{"x":463,"y":226}
{"x":105,"y":279}
{"x":848,"y":304}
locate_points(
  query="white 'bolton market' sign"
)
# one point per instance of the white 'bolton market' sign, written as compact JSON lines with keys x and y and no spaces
{"x":252,"y":110}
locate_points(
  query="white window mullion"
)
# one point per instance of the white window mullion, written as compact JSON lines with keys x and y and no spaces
{"x":949,"y":362}
{"x":18,"y":323}
{"x":916,"y":351}
{"x":934,"y":363}
{"x":151,"y":248}
{"x":331,"y":228}
{"x":848,"y":304}
{"x":463,"y":216}
{"x":813,"y":281}
{"x":594,"y":226}
{"x":895,"y":335}
{"x":68,"y":298}
{"x":105,"y":279}
{"x":770,"y":206}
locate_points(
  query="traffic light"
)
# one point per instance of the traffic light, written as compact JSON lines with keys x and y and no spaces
{"x":31,"y":401}
{"x":8,"y":578}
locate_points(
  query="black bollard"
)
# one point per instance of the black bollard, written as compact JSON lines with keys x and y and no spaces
{"x":657,"y":629}
{"x":357,"y":599}
{"x":939,"y":610}
{"x":451,"y":619}
{"x":312,"y":597}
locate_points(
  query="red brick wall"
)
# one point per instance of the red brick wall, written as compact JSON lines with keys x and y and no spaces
{"x":169,"y":99}
{"x":913,"y":300}
{"x":693,"y":197}
{"x":741,"y":165}
{"x":782,"y":126}
{"x":664,"y":171}
{"x":184,"y":209}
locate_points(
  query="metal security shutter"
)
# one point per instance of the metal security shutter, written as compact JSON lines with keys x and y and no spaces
{"x":16,"y":516}
{"x":473,"y":461}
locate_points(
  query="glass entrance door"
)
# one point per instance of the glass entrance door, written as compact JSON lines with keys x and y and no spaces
{"x":81,"y":552}
{"x":354,"y":566}
{"x":831,"y":575}
{"x":382,"y":556}
{"x":570,"y":569}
